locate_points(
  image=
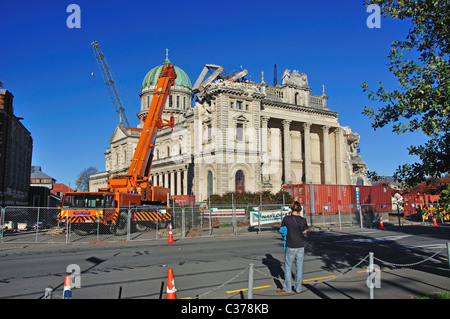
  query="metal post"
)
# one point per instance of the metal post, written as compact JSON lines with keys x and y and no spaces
{"x":358,"y":207}
{"x":129,"y":224}
{"x":2,"y":223}
{"x":98,"y":226}
{"x":250,"y":281}
{"x":37,"y":225}
{"x":48,"y":294}
{"x":448,"y":253}
{"x":233,"y":216}
{"x":209,"y":208}
{"x":259,"y":213}
{"x":157,"y":223}
{"x":340,"y":221}
{"x":370,"y":275}
{"x":360,"y":217}
{"x":183,"y":222}
{"x":350,"y":214}
{"x":398,"y":213}
{"x":323,"y":215}
{"x":68,"y":227}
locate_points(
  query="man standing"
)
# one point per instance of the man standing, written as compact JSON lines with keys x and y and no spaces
{"x":295,"y":248}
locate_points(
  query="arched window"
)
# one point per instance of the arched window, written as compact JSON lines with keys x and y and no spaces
{"x":240,"y":182}
{"x":210,"y":188}
{"x":360,"y":181}
{"x":297,"y":99}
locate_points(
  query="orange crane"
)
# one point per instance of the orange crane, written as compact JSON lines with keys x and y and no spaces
{"x":132,"y":192}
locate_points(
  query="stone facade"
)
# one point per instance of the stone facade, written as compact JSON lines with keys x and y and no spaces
{"x":243,"y":136}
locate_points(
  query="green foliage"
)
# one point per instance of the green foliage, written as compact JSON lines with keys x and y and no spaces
{"x":439,"y":295}
{"x":445,"y":195}
{"x":252,"y":198}
{"x":422,"y":103}
{"x":373,"y":176}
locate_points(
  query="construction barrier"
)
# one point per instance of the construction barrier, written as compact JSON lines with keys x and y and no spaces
{"x":41,"y":225}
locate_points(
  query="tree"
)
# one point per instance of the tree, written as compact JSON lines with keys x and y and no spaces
{"x":430,"y":186}
{"x":422,"y":102}
{"x":373,"y":176}
{"x":83,"y":179}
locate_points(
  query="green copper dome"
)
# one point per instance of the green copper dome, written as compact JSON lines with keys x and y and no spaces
{"x":152,"y":76}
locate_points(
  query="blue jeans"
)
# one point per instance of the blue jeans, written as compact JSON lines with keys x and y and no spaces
{"x":291,"y":255}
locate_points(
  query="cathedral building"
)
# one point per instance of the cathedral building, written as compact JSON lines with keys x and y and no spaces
{"x":240,"y":135}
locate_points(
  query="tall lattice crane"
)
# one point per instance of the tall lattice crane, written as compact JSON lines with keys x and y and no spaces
{"x":109,"y":81}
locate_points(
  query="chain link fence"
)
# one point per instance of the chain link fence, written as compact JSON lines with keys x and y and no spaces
{"x":42,"y":225}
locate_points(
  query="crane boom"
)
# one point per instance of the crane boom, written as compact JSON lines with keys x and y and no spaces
{"x":110,"y":84}
{"x":137,"y":177}
{"x":135,"y":189}
{"x":141,"y":162}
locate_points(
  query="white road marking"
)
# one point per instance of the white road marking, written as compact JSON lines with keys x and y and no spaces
{"x":373,"y":240}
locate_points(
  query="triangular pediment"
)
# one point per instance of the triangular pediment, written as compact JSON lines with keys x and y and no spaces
{"x":119,"y":134}
{"x":241,"y":118}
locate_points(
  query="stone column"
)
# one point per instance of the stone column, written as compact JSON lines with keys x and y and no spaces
{"x":339,"y":155}
{"x":172,"y":183}
{"x":166,"y":180}
{"x":326,"y":155}
{"x":287,"y":151}
{"x":264,"y":141}
{"x":185,"y":181}
{"x":264,"y":152}
{"x":178,"y":186}
{"x":159,"y":178}
{"x":307,"y":159}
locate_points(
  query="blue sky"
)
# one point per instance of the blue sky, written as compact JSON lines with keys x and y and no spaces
{"x":48,"y":66}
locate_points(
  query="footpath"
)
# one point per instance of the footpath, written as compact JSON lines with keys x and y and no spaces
{"x":404,"y":281}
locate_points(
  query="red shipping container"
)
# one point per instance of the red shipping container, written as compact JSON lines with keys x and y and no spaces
{"x":330,"y":199}
{"x":375,"y":198}
{"x":414,"y":201}
{"x":325,"y":199}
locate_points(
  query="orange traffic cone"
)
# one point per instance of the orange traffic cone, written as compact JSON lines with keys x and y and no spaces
{"x":381,"y":223}
{"x":67,"y":294}
{"x":171,"y":290}
{"x":170,"y":241}
{"x":434,"y":222}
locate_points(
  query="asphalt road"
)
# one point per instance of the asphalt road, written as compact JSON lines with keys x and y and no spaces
{"x":217,"y":267}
